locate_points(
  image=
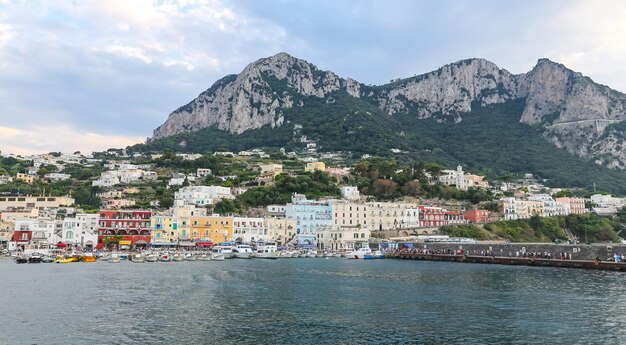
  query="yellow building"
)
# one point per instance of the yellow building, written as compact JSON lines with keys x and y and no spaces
{"x":214,"y":228}
{"x":312,"y":166}
{"x":163,"y":230}
{"x":25,"y":177}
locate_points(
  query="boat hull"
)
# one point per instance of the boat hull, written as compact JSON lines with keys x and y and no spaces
{"x":242,"y":255}
{"x":269,"y":255}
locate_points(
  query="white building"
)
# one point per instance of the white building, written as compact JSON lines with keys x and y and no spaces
{"x":203,"y":172}
{"x":203,"y":195}
{"x":57,"y":176}
{"x":342,"y":238}
{"x":43,"y":229}
{"x":81,"y":230}
{"x":461,"y":180}
{"x":248,"y":229}
{"x":350,"y":193}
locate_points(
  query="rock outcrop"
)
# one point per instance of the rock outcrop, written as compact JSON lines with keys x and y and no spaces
{"x":574,"y":112}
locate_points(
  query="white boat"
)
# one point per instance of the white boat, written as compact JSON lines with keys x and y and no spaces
{"x":137,"y":258}
{"x":204,"y":257}
{"x":310,"y":254}
{"x":285,"y":254}
{"x":217,"y":257}
{"x":114,"y":258}
{"x":302,"y":255}
{"x":319,"y":255}
{"x":266,"y":251}
{"x":190,"y":257}
{"x":226,"y":251}
{"x":377,"y":254}
{"x":359,"y":253}
{"x":337,"y":255}
{"x":165,"y":258}
{"x":328,"y":254}
{"x":243,"y":251}
{"x":152,"y":257}
{"x":178,"y":257}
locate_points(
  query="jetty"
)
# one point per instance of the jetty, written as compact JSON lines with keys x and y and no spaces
{"x":515,"y":261}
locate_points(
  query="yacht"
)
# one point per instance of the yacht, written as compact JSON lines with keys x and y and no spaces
{"x":243,"y":251}
{"x":225,"y":251}
{"x":266,"y":251}
{"x":360,"y":253}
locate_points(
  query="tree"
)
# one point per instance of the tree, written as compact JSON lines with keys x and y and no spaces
{"x":384,"y":189}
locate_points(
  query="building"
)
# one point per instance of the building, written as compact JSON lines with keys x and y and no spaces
{"x":476,"y":216}
{"x":81,"y":230}
{"x":25,"y":178}
{"x":432,"y":216}
{"x":461,"y":180}
{"x":214,"y":228}
{"x":277,"y":210}
{"x":315,"y":166}
{"x":576,"y":205}
{"x":280,"y":229}
{"x":338,"y":238}
{"x":605,"y":204}
{"x":43,"y":230}
{"x":350,"y":193}
{"x":202,"y":195}
{"x":117,"y":203}
{"x":31,"y":202}
{"x":550,"y":206}
{"x":273,"y":169}
{"x":124,"y":228}
{"x":310,"y":216}
{"x":4,"y":179}
{"x":391,"y":215}
{"x":163,"y":231}
{"x":204,"y":172}
{"x":57,"y":176}
{"x":181,"y":221}
{"x":249,"y":229}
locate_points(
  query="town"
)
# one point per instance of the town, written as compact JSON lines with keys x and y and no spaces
{"x":117,"y":200}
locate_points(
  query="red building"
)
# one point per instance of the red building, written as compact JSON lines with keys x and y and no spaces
{"x":454,"y":218}
{"x":476,"y":216}
{"x":124,"y":227}
{"x":22,"y":237}
{"x":432,"y":216}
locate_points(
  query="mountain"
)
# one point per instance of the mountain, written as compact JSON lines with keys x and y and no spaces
{"x":275,"y":100}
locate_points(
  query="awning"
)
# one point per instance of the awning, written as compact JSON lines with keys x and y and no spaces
{"x":163,"y":244}
{"x":61,"y":245}
{"x":204,"y":244}
{"x":124,"y":243}
{"x":141,"y":242}
{"x":186,"y":244}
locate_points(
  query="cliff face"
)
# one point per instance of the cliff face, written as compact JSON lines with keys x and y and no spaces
{"x":574,"y":112}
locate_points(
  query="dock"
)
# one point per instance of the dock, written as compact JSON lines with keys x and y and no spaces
{"x":515,"y":261}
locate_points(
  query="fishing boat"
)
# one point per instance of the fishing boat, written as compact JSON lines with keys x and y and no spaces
{"x":243,"y":251}
{"x":88,"y":257}
{"x":165,"y":257}
{"x":377,"y":254}
{"x":137,"y":258}
{"x":178,"y":257}
{"x":266,"y":251}
{"x":152,"y":257}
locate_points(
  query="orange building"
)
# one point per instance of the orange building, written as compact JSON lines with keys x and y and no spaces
{"x":476,"y":216}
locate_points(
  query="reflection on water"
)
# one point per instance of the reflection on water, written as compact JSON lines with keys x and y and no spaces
{"x":293,"y":301}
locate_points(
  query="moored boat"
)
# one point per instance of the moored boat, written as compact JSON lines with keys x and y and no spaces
{"x":242,"y":251}
{"x":137,"y":258}
{"x":88,"y":257}
{"x":204,"y":257}
{"x":152,"y":257}
{"x":178,"y":257}
{"x":226,"y":251}
{"x":360,"y":253}
{"x":34,"y":258}
{"x":21,"y":260}
{"x":377,"y":254}
{"x":165,"y":258}
{"x":47,"y":259}
{"x":310,"y":254}
{"x":217,"y":257}
{"x":114,"y":258}
{"x":267,"y":251}
{"x":190,"y":257}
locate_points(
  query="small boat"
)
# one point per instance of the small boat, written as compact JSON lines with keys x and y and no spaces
{"x":310,"y":254}
{"x":217,"y":257}
{"x":137,"y":258}
{"x":328,"y":254}
{"x":319,"y":255}
{"x":242,"y":251}
{"x":204,"y":257}
{"x":64,"y":260}
{"x":152,"y":257}
{"x":114,"y":258}
{"x":34,"y":258}
{"x":190,"y":257}
{"x":21,"y":260}
{"x":178,"y":257}
{"x":374,"y":255}
{"x":266,"y":251}
{"x":47,"y":259}
{"x":284,"y":254}
{"x":226,"y":251}
{"x":165,"y":258}
{"x":88,"y":257}
{"x":359,"y":253}
{"x":302,"y":255}
{"x":337,"y":255}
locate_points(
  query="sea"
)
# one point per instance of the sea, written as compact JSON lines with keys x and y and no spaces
{"x":308,"y":301}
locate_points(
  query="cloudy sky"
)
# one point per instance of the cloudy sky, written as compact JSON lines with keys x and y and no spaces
{"x":90,"y":75}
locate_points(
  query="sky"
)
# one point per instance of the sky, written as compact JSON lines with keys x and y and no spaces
{"x":92,"y":75}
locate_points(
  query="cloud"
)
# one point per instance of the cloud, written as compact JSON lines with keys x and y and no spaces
{"x":43,"y":139}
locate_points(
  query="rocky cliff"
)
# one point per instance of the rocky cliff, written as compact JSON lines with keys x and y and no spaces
{"x":573,"y":112}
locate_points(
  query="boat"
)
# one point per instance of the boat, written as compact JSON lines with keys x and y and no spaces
{"x":336,"y":255}
{"x":217,"y":257}
{"x":310,"y":254}
{"x":34,"y":258}
{"x":137,"y":258}
{"x":190,"y":257}
{"x":62,"y":260}
{"x":266,"y":251}
{"x":178,"y":257}
{"x":152,"y":257}
{"x":47,"y":259}
{"x":114,"y":258}
{"x":21,"y":260}
{"x":319,"y":254}
{"x":302,"y":255}
{"x":204,"y":257}
{"x":165,"y":258}
{"x":88,"y":257}
{"x":226,"y":251}
{"x":377,"y":254}
{"x":286,"y":254}
{"x":360,"y":253}
{"x":328,"y":254}
{"x":242,"y":251}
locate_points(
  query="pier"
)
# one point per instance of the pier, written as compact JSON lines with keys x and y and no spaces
{"x":515,"y":261}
